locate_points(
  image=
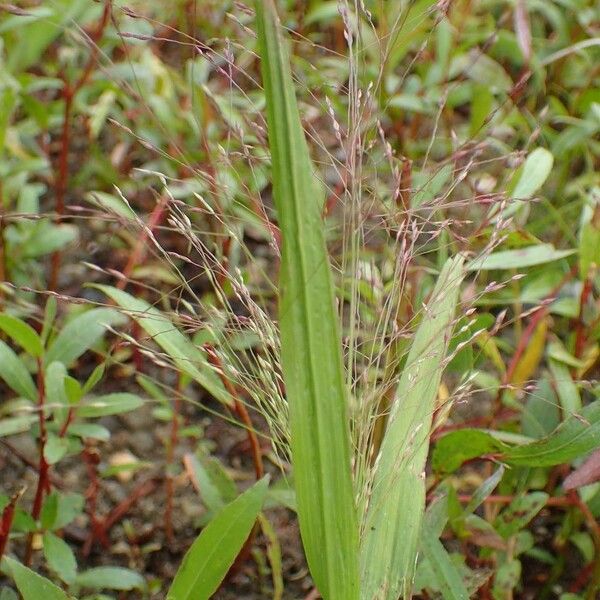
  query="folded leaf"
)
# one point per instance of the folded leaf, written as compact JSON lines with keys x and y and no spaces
{"x":393,"y":522}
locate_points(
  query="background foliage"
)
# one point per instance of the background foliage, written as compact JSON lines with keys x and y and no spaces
{"x":134,"y":158}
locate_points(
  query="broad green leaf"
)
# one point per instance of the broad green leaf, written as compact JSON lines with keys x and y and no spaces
{"x":541,"y":414}
{"x":109,"y":404}
{"x":189,"y":358}
{"x":576,"y":436}
{"x":452,"y":450}
{"x":89,"y":431}
{"x":212,"y":554}
{"x":60,"y":509}
{"x":481,"y":108}
{"x":310,"y":340}
{"x":31,"y":585}
{"x":80,"y":334}
{"x":533,"y":174}
{"x":450,"y":582}
{"x":111,"y":578}
{"x":60,"y":557}
{"x":393,"y":522}
{"x":209,"y":492}
{"x":519,"y":259}
{"x":56,"y":395}
{"x":22,"y":333}
{"x":15,"y":373}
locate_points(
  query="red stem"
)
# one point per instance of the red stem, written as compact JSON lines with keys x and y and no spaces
{"x":43,"y":483}
{"x":6,"y":522}
{"x":69,"y":92}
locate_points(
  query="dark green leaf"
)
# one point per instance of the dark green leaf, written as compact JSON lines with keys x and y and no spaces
{"x":452,"y":450}
{"x":577,"y":436}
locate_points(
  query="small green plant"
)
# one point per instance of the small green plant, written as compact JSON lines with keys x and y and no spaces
{"x":60,"y":412}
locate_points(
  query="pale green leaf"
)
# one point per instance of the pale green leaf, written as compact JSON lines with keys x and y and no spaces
{"x":80,"y":334}
{"x":393,"y":521}
{"x":60,"y":557}
{"x":15,"y":373}
{"x":310,"y":340}
{"x":22,"y":333}
{"x":212,"y":554}
{"x":533,"y":174}
{"x":186,"y":356}
{"x":519,"y":259}
{"x":111,"y":578}
{"x":31,"y":585}
{"x":109,"y":404}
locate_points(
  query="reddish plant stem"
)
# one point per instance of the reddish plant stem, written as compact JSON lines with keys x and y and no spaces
{"x":54,"y":480}
{"x":145,"y":488}
{"x":240,"y":410}
{"x":43,"y":482}
{"x":156,"y":217}
{"x":69,"y":92}
{"x":97,"y":531}
{"x":135,"y":258}
{"x":6,"y":521}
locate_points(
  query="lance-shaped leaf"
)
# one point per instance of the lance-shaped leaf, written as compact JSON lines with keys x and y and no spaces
{"x":186,"y":356}
{"x":393,"y":522}
{"x":311,"y":344}
{"x":207,"y":561}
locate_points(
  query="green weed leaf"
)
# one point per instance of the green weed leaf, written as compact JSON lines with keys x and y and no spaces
{"x":212,"y":554}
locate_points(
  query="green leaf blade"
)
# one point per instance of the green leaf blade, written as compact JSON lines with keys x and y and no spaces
{"x":209,"y":558}
{"x":31,"y":585}
{"x":187,"y":357}
{"x":311,"y":344}
{"x":80,"y":334}
{"x":15,"y":373}
{"x":393,"y":521}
